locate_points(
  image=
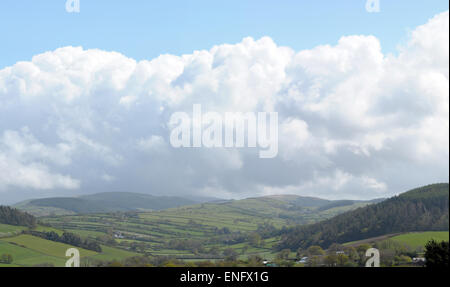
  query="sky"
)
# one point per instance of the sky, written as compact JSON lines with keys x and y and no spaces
{"x":86,"y":98}
{"x":146,"y":29}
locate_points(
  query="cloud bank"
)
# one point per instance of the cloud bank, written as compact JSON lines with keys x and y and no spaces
{"x":354,"y":123}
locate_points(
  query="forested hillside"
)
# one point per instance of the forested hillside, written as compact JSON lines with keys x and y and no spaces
{"x":421,"y":209}
{"x":14,"y":216}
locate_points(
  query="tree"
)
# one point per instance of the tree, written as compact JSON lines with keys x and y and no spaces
{"x":255,"y":239}
{"x":283,"y":254}
{"x":6,"y":258}
{"x":387,"y":257}
{"x":68,"y":238}
{"x":352,"y":253}
{"x":402,"y":259}
{"x":361,"y":249}
{"x":214,"y":251}
{"x":335,"y":247}
{"x":331,"y":260}
{"x":436,"y":254}
{"x":115,"y":263}
{"x":342,"y":260}
{"x":255,"y":261}
{"x":230,"y":254}
{"x":13,"y":216}
{"x":315,"y":261}
{"x":315,"y":250}
{"x":300,"y":253}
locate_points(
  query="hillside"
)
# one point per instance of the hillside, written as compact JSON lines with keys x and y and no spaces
{"x":13,"y":216}
{"x":197,"y":231}
{"x":288,"y":206}
{"x":27,"y":250}
{"x":101,"y":203}
{"x":301,"y":200}
{"x":421,"y":209}
{"x":193,"y":231}
{"x":208,"y":231}
{"x":29,"y":244}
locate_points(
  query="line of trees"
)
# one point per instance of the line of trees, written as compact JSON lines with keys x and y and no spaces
{"x":68,"y":238}
{"x":13,"y":216}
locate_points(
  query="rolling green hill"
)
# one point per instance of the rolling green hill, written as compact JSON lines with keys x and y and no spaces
{"x":21,"y":237}
{"x":421,"y":209}
{"x":302,"y":201}
{"x":187,"y":232}
{"x":27,"y":250}
{"x":288,"y":206}
{"x":8,"y":230}
{"x":191,"y":231}
{"x":101,"y":203}
{"x":207,"y":231}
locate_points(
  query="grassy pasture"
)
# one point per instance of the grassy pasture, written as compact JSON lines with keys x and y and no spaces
{"x":28,"y":250}
{"x":10,"y":230}
{"x":151,"y":231}
{"x":47,"y":247}
{"x":420,"y":239}
{"x":109,"y":254}
{"x":23,"y":256}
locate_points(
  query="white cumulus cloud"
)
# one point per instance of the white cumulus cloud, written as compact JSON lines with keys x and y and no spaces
{"x":354,"y":122}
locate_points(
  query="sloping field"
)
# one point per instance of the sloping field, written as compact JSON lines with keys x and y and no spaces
{"x":207,"y":223}
{"x":47,"y":247}
{"x":370,"y":240}
{"x":29,"y":250}
{"x":8,"y":230}
{"x":109,"y":254}
{"x":420,"y":239}
{"x":413,"y":239}
{"x":26,"y":257}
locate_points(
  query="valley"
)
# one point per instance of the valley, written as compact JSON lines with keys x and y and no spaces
{"x":268,"y":229}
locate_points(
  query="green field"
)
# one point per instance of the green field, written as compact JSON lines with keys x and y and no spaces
{"x":9,"y":265}
{"x":420,"y":239}
{"x":29,"y":250}
{"x":222,"y":225}
{"x":10,"y":230}
{"x":109,"y":254}
{"x":221,"y":231}
{"x":23,"y":256}
{"x":47,"y":247}
{"x":414,"y":240}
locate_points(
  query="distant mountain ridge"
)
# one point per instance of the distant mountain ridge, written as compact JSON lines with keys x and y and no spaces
{"x":420,"y":209}
{"x":102,"y":203}
{"x":106,"y":202}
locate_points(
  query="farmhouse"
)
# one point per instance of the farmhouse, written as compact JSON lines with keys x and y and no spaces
{"x":118,"y":235}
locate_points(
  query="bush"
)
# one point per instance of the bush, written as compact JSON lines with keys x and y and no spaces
{"x":436,"y":254}
{"x":6,"y":259}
